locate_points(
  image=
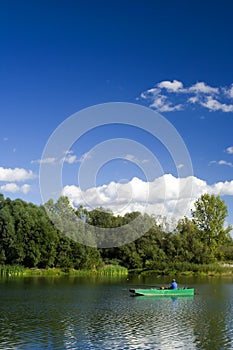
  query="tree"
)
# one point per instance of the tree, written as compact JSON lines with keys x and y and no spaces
{"x":193,"y":249}
{"x":209,"y":217}
{"x":11,"y":245}
{"x":101,"y":217}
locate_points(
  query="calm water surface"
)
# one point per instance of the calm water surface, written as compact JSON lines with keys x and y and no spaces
{"x":78,"y":313}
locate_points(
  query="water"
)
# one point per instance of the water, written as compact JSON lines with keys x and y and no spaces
{"x":79,"y":313}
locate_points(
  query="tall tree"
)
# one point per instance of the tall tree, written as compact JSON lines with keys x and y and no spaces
{"x":209,"y":217}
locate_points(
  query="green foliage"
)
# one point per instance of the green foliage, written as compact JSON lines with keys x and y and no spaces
{"x":29,"y":238}
{"x":209,"y":217}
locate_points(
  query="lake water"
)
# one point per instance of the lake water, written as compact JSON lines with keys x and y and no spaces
{"x":89,"y":313}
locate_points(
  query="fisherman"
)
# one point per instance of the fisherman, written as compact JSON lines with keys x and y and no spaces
{"x":173,"y":285}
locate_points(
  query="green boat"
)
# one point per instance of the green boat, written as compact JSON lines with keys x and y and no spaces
{"x":159,"y":292}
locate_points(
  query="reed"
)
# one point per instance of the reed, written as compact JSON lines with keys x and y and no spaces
{"x":189,"y":269}
{"x":200,"y":269}
{"x":112,"y":270}
{"x":11,"y":270}
{"x":18,"y":270}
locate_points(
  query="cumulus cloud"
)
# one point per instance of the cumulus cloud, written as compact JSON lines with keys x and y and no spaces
{"x":167,"y":195}
{"x":161,"y":104}
{"x":16,"y":174}
{"x":158,"y":100}
{"x":13,"y":188}
{"x":172,"y":86}
{"x":203,"y":88}
{"x":169,"y":96}
{"x":214,"y":105}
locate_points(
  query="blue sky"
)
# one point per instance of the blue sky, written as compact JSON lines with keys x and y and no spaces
{"x":59,"y":57}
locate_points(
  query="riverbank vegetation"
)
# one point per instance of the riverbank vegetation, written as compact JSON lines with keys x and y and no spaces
{"x":30,"y":242}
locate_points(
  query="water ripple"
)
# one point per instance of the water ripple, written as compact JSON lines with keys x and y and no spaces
{"x":104,"y":317}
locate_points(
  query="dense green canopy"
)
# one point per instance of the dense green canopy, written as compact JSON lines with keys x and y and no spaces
{"x":29,"y":238}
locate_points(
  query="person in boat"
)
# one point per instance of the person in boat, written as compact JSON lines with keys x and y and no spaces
{"x":173,"y":285}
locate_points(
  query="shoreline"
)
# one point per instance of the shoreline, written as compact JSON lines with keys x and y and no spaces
{"x":20,"y":271}
{"x":223,"y":269}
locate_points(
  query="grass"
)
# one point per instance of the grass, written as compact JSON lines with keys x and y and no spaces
{"x":113,"y":270}
{"x":17,"y":270}
{"x":178,"y":268}
{"x":189,"y":269}
{"x":213,"y":269}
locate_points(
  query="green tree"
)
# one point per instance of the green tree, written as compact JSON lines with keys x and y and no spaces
{"x":193,"y":249}
{"x":11,"y":245}
{"x":64,"y":257}
{"x":209,"y":217}
{"x":101,"y":217}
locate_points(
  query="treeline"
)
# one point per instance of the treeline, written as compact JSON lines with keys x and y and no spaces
{"x":29,"y":237}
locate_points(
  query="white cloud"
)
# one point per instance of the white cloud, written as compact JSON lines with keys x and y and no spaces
{"x":167,"y":195}
{"x":229,"y":91}
{"x":25,"y":188}
{"x":169,"y":96}
{"x":194,"y":99}
{"x":16,"y":174}
{"x":223,"y":188}
{"x":222,"y":162}
{"x":214,"y":105}
{"x":132,"y":158}
{"x":230,"y":150}
{"x":159,"y":101}
{"x":13,"y":188}
{"x":153,"y":91}
{"x":50,"y":160}
{"x":161,"y":104}
{"x":202,"y":87}
{"x":172,"y":86}
{"x":85,"y":156}
{"x":69,"y":158}
{"x":180,"y":166}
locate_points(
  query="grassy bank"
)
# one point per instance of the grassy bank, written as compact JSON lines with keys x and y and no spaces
{"x":184,"y":269}
{"x":17,"y":270}
{"x":188,"y":269}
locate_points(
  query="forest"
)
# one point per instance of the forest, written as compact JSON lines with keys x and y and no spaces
{"x":29,"y":238}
